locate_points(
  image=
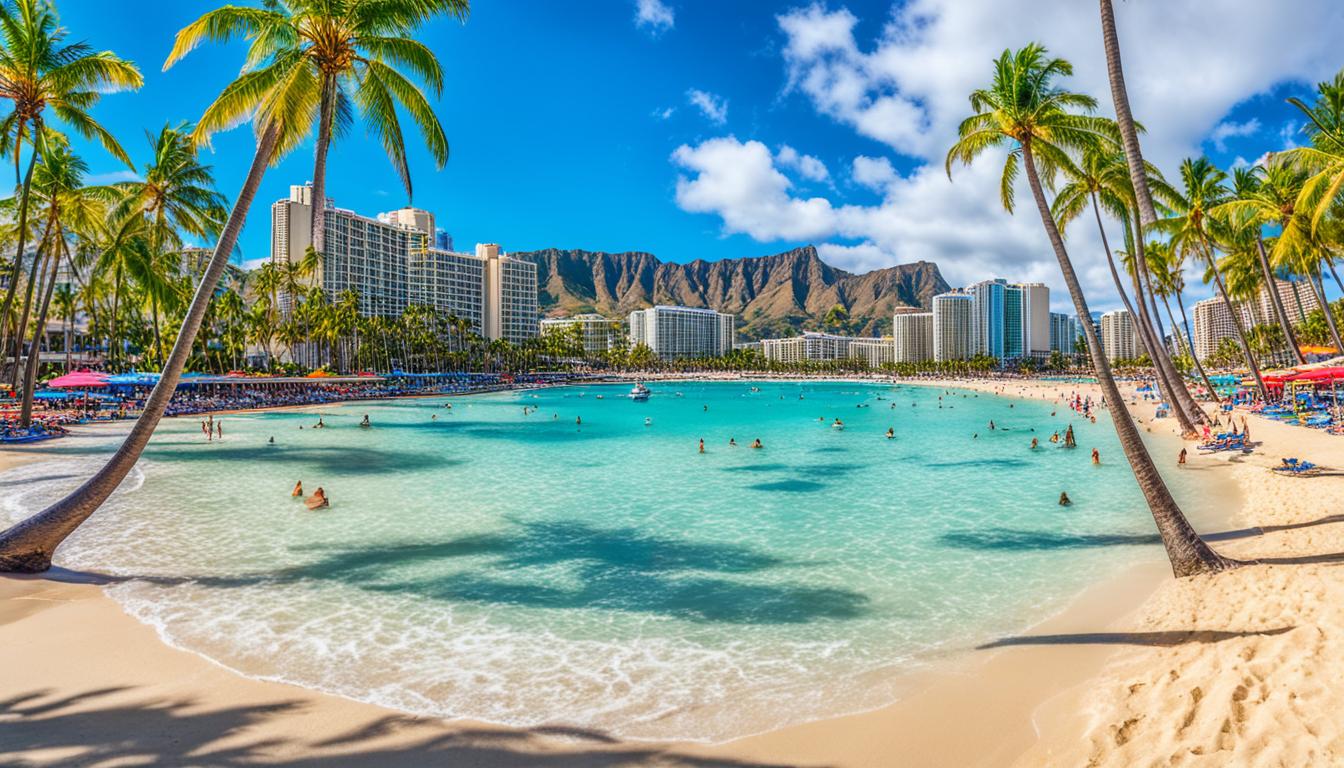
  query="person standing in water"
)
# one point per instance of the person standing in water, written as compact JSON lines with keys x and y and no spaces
{"x":298,"y":490}
{"x":702,"y":445}
{"x":1096,"y":457}
{"x":1180,"y":460}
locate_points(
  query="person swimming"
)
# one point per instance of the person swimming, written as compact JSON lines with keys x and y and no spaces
{"x":732,"y":442}
{"x":365,"y":422}
{"x":648,"y":422}
{"x":433,"y":417}
{"x":318,"y":500}
{"x":1035,"y":444}
{"x":1180,"y":460}
{"x":838,"y":424}
{"x":891,"y":432}
{"x":1096,"y":456}
{"x":298,"y":489}
{"x":272,"y":440}
{"x":1064,"y":499}
{"x":757,"y":443}
{"x":702,"y":445}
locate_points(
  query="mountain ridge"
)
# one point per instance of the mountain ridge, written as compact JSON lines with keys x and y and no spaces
{"x":771,"y":295}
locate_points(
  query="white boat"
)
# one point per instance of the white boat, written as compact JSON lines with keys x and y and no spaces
{"x":640,"y":392}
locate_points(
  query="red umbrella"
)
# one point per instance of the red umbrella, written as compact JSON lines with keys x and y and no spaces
{"x":79,"y":380}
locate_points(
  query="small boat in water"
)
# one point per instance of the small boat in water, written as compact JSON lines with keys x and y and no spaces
{"x":640,"y":392}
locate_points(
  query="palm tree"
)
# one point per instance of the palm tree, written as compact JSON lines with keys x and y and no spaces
{"x":281,"y":102}
{"x":348,"y":49}
{"x":1168,"y":270}
{"x":1100,"y":180}
{"x":1266,"y":195}
{"x":42,"y":74}
{"x":177,"y":197}
{"x":1038,"y":122}
{"x":1193,"y":232}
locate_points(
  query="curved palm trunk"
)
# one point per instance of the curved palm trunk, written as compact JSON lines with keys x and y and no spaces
{"x":1236,"y":323}
{"x":39,"y":259}
{"x":1329,"y":262}
{"x":1189,"y":349}
{"x":1163,"y":383}
{"x":1183,"y":404}
{"x":320,"y":163}
{"x":17,"y":268}
{"x":1272,"y":286}
{"x":28,"y":546}
{"x":1319,"y":289}
{"x":35,"y":354}
{"x":1124,"y":118}
{"x":1188,"y":553}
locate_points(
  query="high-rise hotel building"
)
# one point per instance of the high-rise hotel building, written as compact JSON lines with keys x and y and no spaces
{"x":1118,"y":339}
{"x":680,"y":332}
{"x":912,"y":337}
{"x":390,"y":262}
{"x":953,"y":329}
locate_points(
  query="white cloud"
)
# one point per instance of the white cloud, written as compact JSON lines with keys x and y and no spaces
{"x":740,"y":183}
{"x":665,"y":113}
{"x":1229,"y":129}
{"x":251,"y":264}
{"x":907,"y":90}
{"x":807,"y":166}
{"x":654,"y":15}
{"x":875,"y":173}
{"x":711,"y":106}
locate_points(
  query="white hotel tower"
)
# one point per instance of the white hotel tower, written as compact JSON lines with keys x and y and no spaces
{"x":678,"y":332}
{"x":390,"y":263}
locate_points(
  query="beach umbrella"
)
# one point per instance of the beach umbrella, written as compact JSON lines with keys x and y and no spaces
{"x":79,"y":380}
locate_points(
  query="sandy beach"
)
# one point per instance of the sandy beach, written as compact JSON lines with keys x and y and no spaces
{"x":1237,"y":669}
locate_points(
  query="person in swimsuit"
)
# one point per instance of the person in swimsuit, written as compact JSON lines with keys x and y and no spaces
{"x":298,"y":489}
{"x":318,"y":500}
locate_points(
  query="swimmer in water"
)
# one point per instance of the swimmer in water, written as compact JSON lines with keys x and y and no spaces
{"x":298,"y":489}
{"x":1096,"y":457}
{"x":891,"y":432}
{"x":318,"y":500}
{"x":732,"y":442}
{"x":272,"y":440}
{"x":757,"y":443}
{"x":1180,"y":460}
{"x":365,"y":422}
{"x":1035,"y":444}
{"x":1064,"y":499}
{"x":702,"y":445}
{"x":648,"y":422}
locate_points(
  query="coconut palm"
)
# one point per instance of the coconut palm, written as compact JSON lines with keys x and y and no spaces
{"x":1194,"y":233}
{"x":1100,"y":180}
{"x":350,"y":50}
{"x":1040,"y":124}
{"x":1168,"y":269}
{"x":45,"y":78}
{"x":177,"y":198}
{"x":1266,"y":195}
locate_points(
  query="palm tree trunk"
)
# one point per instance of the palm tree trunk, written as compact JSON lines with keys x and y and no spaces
{"x":1318,"y":288}
{"x":1187,"y":411}
{"x":1163,"y":383}
{"x":1124,"y":118}
{"x":320,"y":163}
{"x":1272,"y":286}
{"x":1188,"y":553}
{"x":28,"y":546}
{"x":1189,"y":348}
{"x":17,"y":268}
{"x":1236,"y":323}
{"x":1329,"y":262}
{"x":35,"y":353}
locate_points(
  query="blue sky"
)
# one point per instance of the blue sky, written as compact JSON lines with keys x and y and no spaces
{"x":577,"y":125}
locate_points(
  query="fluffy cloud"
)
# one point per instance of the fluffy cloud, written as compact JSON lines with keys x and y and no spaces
{"x":1229,"y":129}
{"x":715,"y":108}
{"x":654,"y":15}
{"x":907,"y":88}
{"x":739,"y":182}
{"x":807,"y":166}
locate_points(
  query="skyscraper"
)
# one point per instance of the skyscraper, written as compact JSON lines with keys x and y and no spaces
{"x":1064,"y":332}
{"x":953,"y":332}
{"x":1035,"y":318}
{"x":912,"y":337}
{"x":1117,"y":335}
{"x":1213,"y":323}
{"x":1013,"y":338}
{"x":987,"y":317}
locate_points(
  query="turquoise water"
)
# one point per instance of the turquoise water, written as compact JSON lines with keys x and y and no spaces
{"x":523,"y":569}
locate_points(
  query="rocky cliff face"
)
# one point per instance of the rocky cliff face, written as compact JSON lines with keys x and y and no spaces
{"x":769,"y":294}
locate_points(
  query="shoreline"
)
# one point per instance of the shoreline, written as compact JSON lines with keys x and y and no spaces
{"x":1019,"y":693}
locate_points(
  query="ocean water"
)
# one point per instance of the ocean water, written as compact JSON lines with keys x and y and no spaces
{"x":526,"y":569}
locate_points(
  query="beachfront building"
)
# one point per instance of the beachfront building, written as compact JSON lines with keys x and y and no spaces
{"x":1298,"y":302}
{"x":681,"y":332}
{"x":389,"y":262}
{"x":988,"y":310}
{"x":811,"y":345}
{"x":1035,"y":320}
{"x":953,"y":337}
{"x":1064,"y":333}
{"x":1117,"y":336}
{"x":597,"y":332}
{"x":873,"y":352}
{"x":1213,"y":323}
{"x":912,"y":337}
